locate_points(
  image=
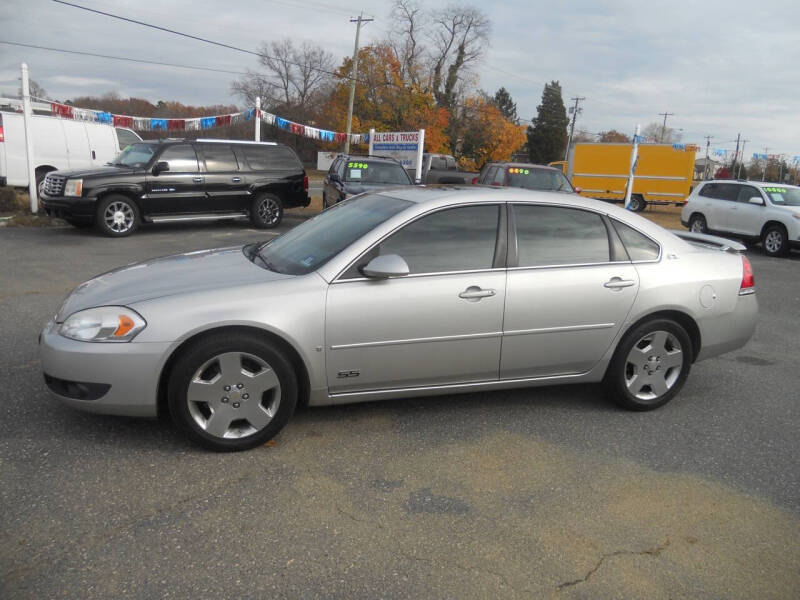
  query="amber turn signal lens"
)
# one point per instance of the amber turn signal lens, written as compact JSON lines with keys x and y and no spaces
{"x":125,"y":325}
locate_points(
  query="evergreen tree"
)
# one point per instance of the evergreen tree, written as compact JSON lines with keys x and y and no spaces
{"x":503,"y":101}
{"x":547,"y":136}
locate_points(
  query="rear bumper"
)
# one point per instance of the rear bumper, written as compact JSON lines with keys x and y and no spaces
{"x":113,"y":379}
{"x":71,"y":208}
{"x":729,"y":331}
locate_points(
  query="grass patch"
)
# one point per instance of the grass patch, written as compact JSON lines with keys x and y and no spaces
{"x":668,"y":217}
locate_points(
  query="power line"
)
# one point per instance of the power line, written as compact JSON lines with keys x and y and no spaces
{"x":197,"y":38}
{"x":664,"y":126}
{"x":138,"y":60}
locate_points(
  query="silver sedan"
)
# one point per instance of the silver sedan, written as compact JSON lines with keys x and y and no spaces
{"x":410,"y":292}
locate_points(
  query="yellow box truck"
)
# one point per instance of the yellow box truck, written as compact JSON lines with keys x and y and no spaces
{"x":663,"y":173}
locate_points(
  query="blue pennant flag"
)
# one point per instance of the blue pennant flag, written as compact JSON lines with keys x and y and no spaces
{"x":104,"y":117}
{"x":156,"y":124}
{"x":326,"y":136}
{"x":639,"y":139}
{"x":282,"y":123}
{"x":249,"y":114}
{"x":679,"y":146}
{"x":208,"y":122}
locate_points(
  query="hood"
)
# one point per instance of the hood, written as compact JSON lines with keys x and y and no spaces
{"x":97,"y":172}
{"x":167,"y":276}
{"x":359,"y":188}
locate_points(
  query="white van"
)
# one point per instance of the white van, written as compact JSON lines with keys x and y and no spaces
{"x":58,"y":144}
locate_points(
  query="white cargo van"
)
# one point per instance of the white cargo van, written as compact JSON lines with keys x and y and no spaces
{"x":58,"y":144}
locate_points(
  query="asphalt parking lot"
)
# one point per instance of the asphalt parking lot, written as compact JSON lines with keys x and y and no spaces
{"x":549,"y":492}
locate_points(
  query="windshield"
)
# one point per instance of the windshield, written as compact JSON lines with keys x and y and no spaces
{"x":370,"y":171}
{"x":313,"y":243}
{"x":135,"y":155}
{"x":538,"y":179}
{"x":783,"y":196}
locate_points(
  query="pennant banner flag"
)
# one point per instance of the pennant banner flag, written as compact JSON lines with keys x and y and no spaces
{"x":758,"y":156}
{"x":198,"y":123}
{"x":720,"y":152}
{"x":678,"y":146}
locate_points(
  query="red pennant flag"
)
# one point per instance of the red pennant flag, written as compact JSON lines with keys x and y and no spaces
{"x":123,"y":121}
{"x":176,"y":124}
{"x":223,"y":120}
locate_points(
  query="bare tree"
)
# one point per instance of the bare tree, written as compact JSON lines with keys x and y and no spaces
{"x":291,"y":78}
{"x":405,"y":38}
{"x":459,"y":39}
{"x":37,"y":91}
{"x":652,"y":133}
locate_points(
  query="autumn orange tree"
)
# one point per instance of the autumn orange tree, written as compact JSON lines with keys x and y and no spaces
{"x":487,"y":136}
{"x":385,"y":102}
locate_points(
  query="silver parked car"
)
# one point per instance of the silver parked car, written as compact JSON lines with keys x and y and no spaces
{"x":406,"y":292}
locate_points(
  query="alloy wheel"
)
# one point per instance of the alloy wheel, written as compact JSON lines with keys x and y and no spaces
{"x":653,"y":365}
{"x":268,"y":211}
{"x":119,"y":217}
{"x":233,"y":395}
{"x":773,"y":242}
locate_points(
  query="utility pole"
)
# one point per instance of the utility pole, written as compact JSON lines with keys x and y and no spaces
{"x":766,"y":160}
{"x":353,"y":75}
{"x":739,"y":170}
{"x":664,"y":126}
{"x":574,"y":110}
{"x":735,"y":156}
{"x":708,"y":143}
{"x":27,"y":112}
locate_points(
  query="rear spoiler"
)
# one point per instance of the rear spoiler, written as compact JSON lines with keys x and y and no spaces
{"x":712,"y":242}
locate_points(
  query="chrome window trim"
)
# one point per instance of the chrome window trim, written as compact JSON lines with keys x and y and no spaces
{"x":499,"y":204}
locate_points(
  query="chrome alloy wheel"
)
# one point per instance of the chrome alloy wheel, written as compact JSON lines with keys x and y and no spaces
{"x":653,"y":365}
{"x":118,"y":217}
{"x":233,"y":395}
{"x":697,"y":226}
{"x":773,"y":242}
{"x":268,"y":211}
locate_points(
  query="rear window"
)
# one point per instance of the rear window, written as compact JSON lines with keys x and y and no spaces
{"x":270,"y":158}
{"x":638,"y":245}
{"x":538,"y":179}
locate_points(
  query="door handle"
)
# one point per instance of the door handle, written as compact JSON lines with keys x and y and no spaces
{"x":617,"y":283}
{"x":198,"y":180}
{"x":474,"y":293}
{"x":236,"y":179}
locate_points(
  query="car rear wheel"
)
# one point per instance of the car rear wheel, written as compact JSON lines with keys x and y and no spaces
{"x":697,"y":224}
{"x":650,"y":366}
{"x":775,"y":241}
{"x":266,"y":212}
{"x":637,"y":203}
{"x":232,"y":392}
{"x":117,"y":216}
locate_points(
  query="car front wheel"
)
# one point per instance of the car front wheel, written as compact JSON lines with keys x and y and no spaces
{"x":650,"y":365}
{"x":117,"y":216}
{"x":775,"y":241}
{"x":266,"y":212}
{"x":232,"y":392}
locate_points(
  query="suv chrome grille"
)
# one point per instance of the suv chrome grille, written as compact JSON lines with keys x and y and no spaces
{"x":54,"y":185}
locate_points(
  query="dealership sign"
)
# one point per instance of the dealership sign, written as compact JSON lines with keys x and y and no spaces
{"x":404,"y":146}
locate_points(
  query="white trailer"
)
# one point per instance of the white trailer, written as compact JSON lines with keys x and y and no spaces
{"x":58,"y":144}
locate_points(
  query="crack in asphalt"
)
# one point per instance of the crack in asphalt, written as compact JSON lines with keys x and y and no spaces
{"x":647,"y":552}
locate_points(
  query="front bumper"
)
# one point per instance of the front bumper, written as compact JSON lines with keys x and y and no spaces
{"x":82,"y":209}
{"x":126,"y":374}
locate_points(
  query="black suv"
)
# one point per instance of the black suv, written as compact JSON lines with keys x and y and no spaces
{"x":524,"y":175}
{"x":350,"y":175}
{"x":180,"y":180}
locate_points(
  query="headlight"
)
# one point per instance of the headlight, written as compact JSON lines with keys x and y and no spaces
{"x":74,"y":187}
{"x":103,"y":324}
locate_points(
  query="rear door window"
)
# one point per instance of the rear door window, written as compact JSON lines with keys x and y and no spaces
{"x":219,"y":158}
{"x":746,"y":192}
{"x":552,"y":236}
{"x":270,"y":158}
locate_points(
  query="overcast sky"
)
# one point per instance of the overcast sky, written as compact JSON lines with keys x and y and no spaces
{"x":721,"y":67}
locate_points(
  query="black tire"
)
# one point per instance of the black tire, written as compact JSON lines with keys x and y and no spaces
{"x":79,"y":224}
{"x":637,"y":203}
{"x":266,"y":211}
{"x":775,"y":241}
{"x":697,"y":223}
{"x":117,"y":223}
{"x":625,"y":374}
{"x":324,"y":201}
{"x":188,"y":416}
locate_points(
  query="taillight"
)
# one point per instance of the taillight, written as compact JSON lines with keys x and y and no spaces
{"x":748,"y":281}
{"x":474,"y":180}
{"x":305,"y":183}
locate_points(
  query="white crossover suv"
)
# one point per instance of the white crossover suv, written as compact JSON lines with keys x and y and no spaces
{"x":753,"y":211}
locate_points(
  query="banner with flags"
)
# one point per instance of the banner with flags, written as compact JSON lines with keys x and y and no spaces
{"x":200,"y":123}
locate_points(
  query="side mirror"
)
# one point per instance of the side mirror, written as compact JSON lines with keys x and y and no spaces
{"x":383,"y":267}
{"x":161,"y":167}
{"x":334,"y":177}
{"x":756,"y":200}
